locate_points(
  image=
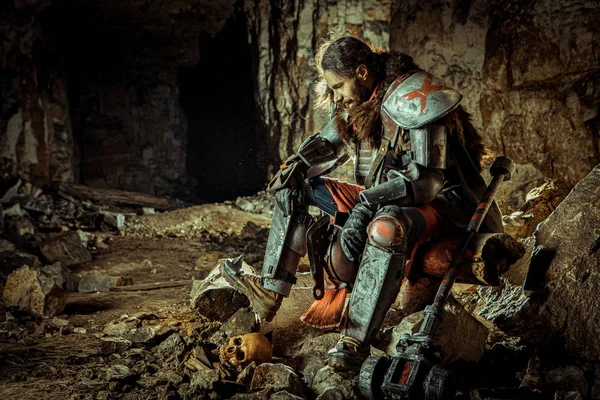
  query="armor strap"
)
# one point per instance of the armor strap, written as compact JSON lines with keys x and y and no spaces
{"x":286,"y":276}
{"x":381,"y":153}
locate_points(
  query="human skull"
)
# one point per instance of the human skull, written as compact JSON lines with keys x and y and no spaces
{"x":242,"y":350}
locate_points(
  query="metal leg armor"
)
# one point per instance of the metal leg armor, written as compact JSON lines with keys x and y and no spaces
{"x":379,"y":278}
{"x":380,"y":273}
{"x":285,"y":247}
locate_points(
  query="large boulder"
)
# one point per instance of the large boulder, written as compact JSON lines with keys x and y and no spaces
{"x":67,"y":248}
{"x":38,"y":291}
{"x":560,"y":305}
{"x":460,"y":336}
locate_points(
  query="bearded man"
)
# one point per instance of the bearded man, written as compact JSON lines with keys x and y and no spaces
{"x":417,"y":163}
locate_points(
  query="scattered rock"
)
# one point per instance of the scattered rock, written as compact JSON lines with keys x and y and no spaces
{"x":566,"y":379}
{"x":12,"y":260}
{"x":42,"y":205}
{"x":101,"y":283}
{"x":332,"y":394}
{"x":110,"y":221}
{"x":116,"y":329}
{"x":205,"y":379}
{"x":285,"y":395}
{"x":144,"y":334}
{"x":168,"y":375}
{"x":173,"y":346}
{"x":262,"y":395}
{"x":148,"y":382}
{"x":60,"y":275}
{"x":278,"y":376}
{"x":67,"y":248}
{"x":6,"y":246}
{"x":242,"y":322}
{"x":148,"y":211}
{"x":114,"y":345}
{"x":261,"y":203}
{"x":11,"y":193}
{"x":119,"y":373}
{"x":540,"y":202}
{"x":23,"y":228}
{"x":14,"y":211}
{"x":327,"y":378}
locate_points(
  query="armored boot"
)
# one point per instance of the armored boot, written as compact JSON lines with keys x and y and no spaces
{"x":379,"y":277}
{"x":263,"y":301}
{"x":286,"y":245}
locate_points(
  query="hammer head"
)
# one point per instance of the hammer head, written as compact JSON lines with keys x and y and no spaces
{"x":503,"y":165}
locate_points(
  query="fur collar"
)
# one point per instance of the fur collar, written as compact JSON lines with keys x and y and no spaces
{"x":363,"y":123}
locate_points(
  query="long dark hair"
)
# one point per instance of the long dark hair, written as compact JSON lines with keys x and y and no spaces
{"x":342,"y":57}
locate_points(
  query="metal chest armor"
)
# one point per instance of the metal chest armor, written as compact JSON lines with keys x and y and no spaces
{"x":410,"y":107}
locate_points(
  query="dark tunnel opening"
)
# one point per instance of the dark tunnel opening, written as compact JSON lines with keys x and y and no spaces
{"x":218,"y":99}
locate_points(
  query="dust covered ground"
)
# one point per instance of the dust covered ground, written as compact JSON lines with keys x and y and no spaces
{"x":68,"y":356}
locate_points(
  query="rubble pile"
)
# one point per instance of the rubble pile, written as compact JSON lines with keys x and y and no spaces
{"x":540,"y":202}
{"x":522,"y":339}
{"x":45,"y":231}
{"x":261,"y":203}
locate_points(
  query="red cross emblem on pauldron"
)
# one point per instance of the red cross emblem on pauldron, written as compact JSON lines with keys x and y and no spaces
{"x":422,"y":93}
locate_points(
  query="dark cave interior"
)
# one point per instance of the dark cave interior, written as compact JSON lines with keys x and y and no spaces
{"x":217,"y":96}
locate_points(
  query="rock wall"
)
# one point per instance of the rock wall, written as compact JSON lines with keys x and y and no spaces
{"x":96,"y":99}
{"x":529,"y":72}
{"x":35,"y":130}
{"x":286,"y":36}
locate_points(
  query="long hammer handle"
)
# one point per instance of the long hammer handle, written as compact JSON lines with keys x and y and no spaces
{"x":501,"y":170}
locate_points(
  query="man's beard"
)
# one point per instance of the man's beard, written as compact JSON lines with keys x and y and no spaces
{"x":362,"y":92}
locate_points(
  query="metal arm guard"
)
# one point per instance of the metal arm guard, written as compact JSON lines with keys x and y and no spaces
{"x":318,"y":155}
{"x":405,"y":193}
{"x":422,"y":179}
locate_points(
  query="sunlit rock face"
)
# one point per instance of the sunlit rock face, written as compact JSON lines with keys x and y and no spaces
{"x":96,"y":98}
{"x":528,"y":73}
{"x":286,"y":36}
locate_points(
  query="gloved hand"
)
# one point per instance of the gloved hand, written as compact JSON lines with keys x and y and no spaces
{"x":286,"y":198}
{"x":354,"y":233}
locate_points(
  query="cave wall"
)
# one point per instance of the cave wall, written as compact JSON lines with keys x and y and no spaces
{"x":528,"y":70}
{"x":286,"y":35}
{"x":35,"y":131}
{"x":90,"y":89}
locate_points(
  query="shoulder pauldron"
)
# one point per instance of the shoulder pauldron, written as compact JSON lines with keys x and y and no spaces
{"x":418,"y":100}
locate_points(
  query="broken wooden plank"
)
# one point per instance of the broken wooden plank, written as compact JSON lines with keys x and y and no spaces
{"x":114,"y":196}
{"x":151,"y":286}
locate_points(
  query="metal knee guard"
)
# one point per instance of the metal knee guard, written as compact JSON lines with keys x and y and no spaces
{"x":380,"y":273}
{"x":285,"y":247}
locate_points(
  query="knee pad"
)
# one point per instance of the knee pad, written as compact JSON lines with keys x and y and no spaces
{"x":389,"y":229}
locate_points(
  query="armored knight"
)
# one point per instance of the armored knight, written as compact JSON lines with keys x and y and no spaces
{"x":417,"y":163}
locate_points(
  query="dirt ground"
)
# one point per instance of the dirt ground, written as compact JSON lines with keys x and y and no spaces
{"x":66,"y":358}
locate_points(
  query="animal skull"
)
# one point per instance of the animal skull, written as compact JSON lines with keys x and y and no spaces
{"x":242,"y":350}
